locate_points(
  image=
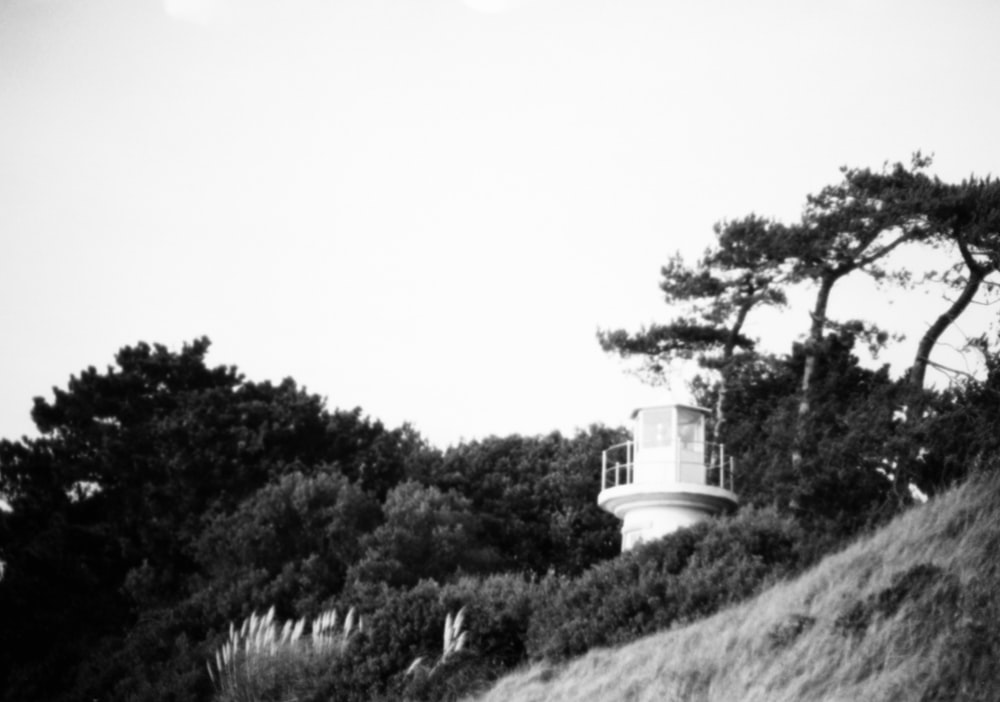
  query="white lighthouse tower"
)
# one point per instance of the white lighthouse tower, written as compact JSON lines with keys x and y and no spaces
{"x":667,"y":477}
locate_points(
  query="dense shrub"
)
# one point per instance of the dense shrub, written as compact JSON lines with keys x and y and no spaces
{"x":498,"y":612}
{"x":403,"y":625}
{"x":534,"y":497}
{"x":688,"y":574}
{"x":427,"y":534}
{"x":399,"y":626}
{"x":264,"y":660}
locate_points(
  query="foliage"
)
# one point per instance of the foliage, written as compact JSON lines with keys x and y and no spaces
{"x":392,"y":658}
{"x":717,"y":294}
{"x":499,"y":610}
{"x":426,"y":534}
{"x":164,"y":498}
{"x":966,"y":218}
{"x":289,"y":544}
{"x":400,"y":625}
{"x":945,"y":436}
{"x":262,"y":660}
{"x":535,"y":497}
{"x":928,"y":582}
{"x":811,"y":431}
{"x":844,"y":482}
{"x":683,"y":576}
{"x":744,"y":271}
{"x":421,"y":676}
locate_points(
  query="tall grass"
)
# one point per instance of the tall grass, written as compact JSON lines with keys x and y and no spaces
{"x":910,"y":613}
{"x":263,"y":660}
{"x":454,"y":643}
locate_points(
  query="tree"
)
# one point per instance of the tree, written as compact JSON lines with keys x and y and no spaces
{"x":967,"y":216}
{"x":535,"y":497}
{"x":741,"y":272}
{"x":427,"y":533}
{"x":288,"y":545}
{"x":953,"y":432}
{"x":846,"y":228}
{"x":853,"y":227}
{"x":139,"y":468}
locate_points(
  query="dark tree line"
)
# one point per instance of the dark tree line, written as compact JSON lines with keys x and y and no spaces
{"x":166,"y":498}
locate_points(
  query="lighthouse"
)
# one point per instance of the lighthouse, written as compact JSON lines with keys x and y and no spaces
{"x":667,"y":477}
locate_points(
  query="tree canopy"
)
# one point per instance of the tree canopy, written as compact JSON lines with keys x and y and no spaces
{"x":856,"y":226}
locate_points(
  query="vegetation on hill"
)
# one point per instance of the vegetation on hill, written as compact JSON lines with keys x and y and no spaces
{"x":166,"y":501}
{"x":911,"y":612}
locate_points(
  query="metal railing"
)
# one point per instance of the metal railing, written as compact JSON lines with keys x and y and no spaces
{"x":618,"y":464}
{"x":620,"y":471}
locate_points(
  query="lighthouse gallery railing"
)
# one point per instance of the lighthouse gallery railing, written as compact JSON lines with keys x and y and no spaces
{"x":618,"y":464}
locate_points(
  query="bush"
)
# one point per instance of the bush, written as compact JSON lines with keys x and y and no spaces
{"x":683,"y":576}
{"x":498,"y":612}
{"x":262,"y":660}
{"x":400,"y":625}
{"x":403,"y":625}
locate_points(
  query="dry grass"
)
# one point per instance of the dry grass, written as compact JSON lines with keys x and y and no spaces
{"x":453,"y":644}
{"x":264,"y":660}
{"x":798,"y":640}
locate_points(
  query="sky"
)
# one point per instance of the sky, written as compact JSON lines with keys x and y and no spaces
{"x":427,"y":208}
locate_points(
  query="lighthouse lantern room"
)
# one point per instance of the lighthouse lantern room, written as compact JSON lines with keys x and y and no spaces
{"x":667,"y":477}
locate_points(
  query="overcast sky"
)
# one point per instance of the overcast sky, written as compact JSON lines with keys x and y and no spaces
{"x":428,"y":207}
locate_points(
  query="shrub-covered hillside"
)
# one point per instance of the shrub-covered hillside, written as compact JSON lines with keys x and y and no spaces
{"x":911,"y":612}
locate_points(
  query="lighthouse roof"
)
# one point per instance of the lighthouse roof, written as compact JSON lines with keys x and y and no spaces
{"x":636,"y":411}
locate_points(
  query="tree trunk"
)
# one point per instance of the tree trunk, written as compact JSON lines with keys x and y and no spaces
{"x":812,"y":347}
{"x":727,"y":358}
{"x":977,"y":274}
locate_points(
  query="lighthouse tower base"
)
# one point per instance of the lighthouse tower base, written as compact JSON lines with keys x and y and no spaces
{"x":649,"y":512}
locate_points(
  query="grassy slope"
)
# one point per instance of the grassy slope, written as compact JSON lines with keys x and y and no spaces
{"x":852,"y":628}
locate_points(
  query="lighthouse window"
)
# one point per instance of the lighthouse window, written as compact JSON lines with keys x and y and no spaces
{"x":689,"y":428}
{"x":657,"y":428}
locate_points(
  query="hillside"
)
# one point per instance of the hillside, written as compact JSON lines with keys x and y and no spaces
{"x":911,"y":612}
